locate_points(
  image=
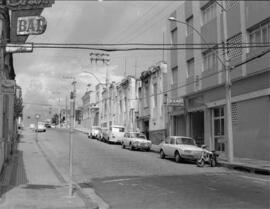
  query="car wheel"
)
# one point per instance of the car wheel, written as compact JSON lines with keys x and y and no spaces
{"x":200,"y":163}
{"x":178,"y":158}
{"x":123,"y":146}
{"x":131,"y":147}
{"x":162,"y":154}
{"x":213,"y":162}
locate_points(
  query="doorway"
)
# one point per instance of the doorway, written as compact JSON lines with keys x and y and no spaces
{"x":197,"y":126}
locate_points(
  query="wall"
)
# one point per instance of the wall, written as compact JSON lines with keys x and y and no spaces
{"x":251,"y":133}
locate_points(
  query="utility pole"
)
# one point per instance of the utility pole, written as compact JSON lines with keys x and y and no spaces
{"x":66,"y":112}
{"x":228,"y":88}
{"x":59,"y":118}
{"x":71,"y":130}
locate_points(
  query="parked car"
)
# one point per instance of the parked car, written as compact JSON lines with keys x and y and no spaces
{"x":40,"y":127}
{"x":114,"y":134}
{"x":95,"y":132}
{"x":136,"y":140}
{"x":47,"y":124}
{"x":180,"y":148}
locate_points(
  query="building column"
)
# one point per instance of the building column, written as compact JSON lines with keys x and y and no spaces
{"x":208,"y":129}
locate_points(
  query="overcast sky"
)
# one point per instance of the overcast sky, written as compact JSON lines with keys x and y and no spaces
{"x":40,"y":74}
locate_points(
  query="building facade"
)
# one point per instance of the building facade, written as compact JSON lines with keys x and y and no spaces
{"x":86,"y":110}
{"x":7,"y":92}
{"x":197,"y":76}
{"x":152,"y":118}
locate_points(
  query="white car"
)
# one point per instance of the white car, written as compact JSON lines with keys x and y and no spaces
{"x":135,"y":140}
{"x":95,"y":132}
{"x":41,"y":127}
{"x":114,"y":134}
{"x":180,"y":148}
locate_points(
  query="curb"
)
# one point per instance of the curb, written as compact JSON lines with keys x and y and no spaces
{"x":245,"y":168}
{"x":239,"y":167}
{"x":84,"y":197}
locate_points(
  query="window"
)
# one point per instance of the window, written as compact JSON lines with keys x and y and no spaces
{"x":175,"y":75}
{"x":146,"y":95}
{"x":155,"y":94}
{"x":172,"y":141}
{"x":209,"y":12}
{"x":210,"y":60}
{"x":174,"y":37}
{"x":167,"y":140}
{"x":189,"y":22}
{"x":190,"y":67}
{"x":259,"y":35}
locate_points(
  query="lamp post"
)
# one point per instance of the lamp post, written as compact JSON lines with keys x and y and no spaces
{"x":227,"y":81}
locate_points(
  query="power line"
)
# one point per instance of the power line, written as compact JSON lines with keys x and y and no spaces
{"x":185,"y":84}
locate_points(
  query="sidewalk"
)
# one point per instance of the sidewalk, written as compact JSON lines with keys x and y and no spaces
{"x":29,"y":182}
{"x":242,"y":164}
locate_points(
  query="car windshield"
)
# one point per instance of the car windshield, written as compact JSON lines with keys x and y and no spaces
{"x":187,"y":141}
{"x":118,"y":129}
{"x":137,"y":135}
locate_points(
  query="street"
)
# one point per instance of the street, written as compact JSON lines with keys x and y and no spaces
{"x":134,"y":179}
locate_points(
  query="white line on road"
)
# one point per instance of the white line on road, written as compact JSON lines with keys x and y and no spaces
{"x":117,"y":180}
{"x":256,"y":179}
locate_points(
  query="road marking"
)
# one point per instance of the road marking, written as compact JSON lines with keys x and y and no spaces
{"x":117,"y":180}
{"x":256,"y":179}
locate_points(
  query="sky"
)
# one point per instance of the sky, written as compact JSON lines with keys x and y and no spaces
{"x":45,"y":75}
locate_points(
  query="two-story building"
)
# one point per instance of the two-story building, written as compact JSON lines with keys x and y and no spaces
{"x":198,"y":75}
{"x":86,"y":107}
{"x":152,"y":117}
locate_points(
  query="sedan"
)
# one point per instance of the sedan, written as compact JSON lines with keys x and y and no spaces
{"x":135,"y":140}
{"x":180,"y":148}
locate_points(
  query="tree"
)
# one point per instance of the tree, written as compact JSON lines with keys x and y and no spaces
{"x":55,"y":119}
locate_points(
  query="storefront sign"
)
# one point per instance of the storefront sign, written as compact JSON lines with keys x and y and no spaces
{"x":31,"y":25}
{"x":176,"y":102}
{"x":19,"y":48}
{"x":28,"y":4}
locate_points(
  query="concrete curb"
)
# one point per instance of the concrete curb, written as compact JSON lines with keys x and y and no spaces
{"x":84,"y":197}
{"x":245,"y":168}
{"x":235,"y":166}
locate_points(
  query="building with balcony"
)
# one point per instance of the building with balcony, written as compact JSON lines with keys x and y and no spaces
{"x":86,"y":113}
{"x":152,"y":117}
{"x":197,"y":76}
{"x":127,"y":103}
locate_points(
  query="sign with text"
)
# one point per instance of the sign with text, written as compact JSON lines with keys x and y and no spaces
{"x":31,"y":25}
{"x":28,"y":4}
{"x":19,"y":48}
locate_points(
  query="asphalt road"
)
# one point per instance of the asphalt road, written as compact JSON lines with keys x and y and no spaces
{"x":127,"y":179}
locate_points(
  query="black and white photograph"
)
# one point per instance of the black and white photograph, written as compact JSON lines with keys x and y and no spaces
{"x":128,"y":104}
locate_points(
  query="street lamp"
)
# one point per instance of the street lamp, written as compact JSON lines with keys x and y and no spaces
{"x":227,"y":81}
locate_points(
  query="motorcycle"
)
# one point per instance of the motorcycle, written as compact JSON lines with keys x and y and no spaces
{"x":209,"y":157}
